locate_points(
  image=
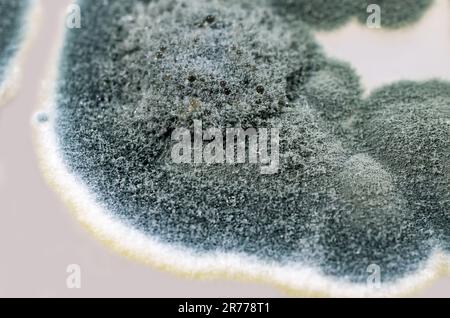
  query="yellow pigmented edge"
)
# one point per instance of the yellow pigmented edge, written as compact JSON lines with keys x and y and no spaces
{"x":293,"y":280}
{"x":13,"y":74}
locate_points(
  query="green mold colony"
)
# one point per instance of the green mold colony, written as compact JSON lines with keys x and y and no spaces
{"x":361,"y":181}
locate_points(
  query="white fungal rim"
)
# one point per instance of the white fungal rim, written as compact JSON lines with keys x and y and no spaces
{"x":295,"y":279}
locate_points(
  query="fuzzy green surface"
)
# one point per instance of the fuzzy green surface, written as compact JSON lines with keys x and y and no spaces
{"x":360,"y":182}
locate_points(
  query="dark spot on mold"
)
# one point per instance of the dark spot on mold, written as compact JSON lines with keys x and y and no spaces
{"x":260,"y":89}
{"x":282,"y":103}
{"x":210,"y":19}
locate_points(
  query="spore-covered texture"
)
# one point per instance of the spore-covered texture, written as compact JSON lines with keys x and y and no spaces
{"x":11,"y":25}
{"x":360,"y":181}
{"x":323,"y":14}
{"x":228,"y":67}
{"x":407,"y":125}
